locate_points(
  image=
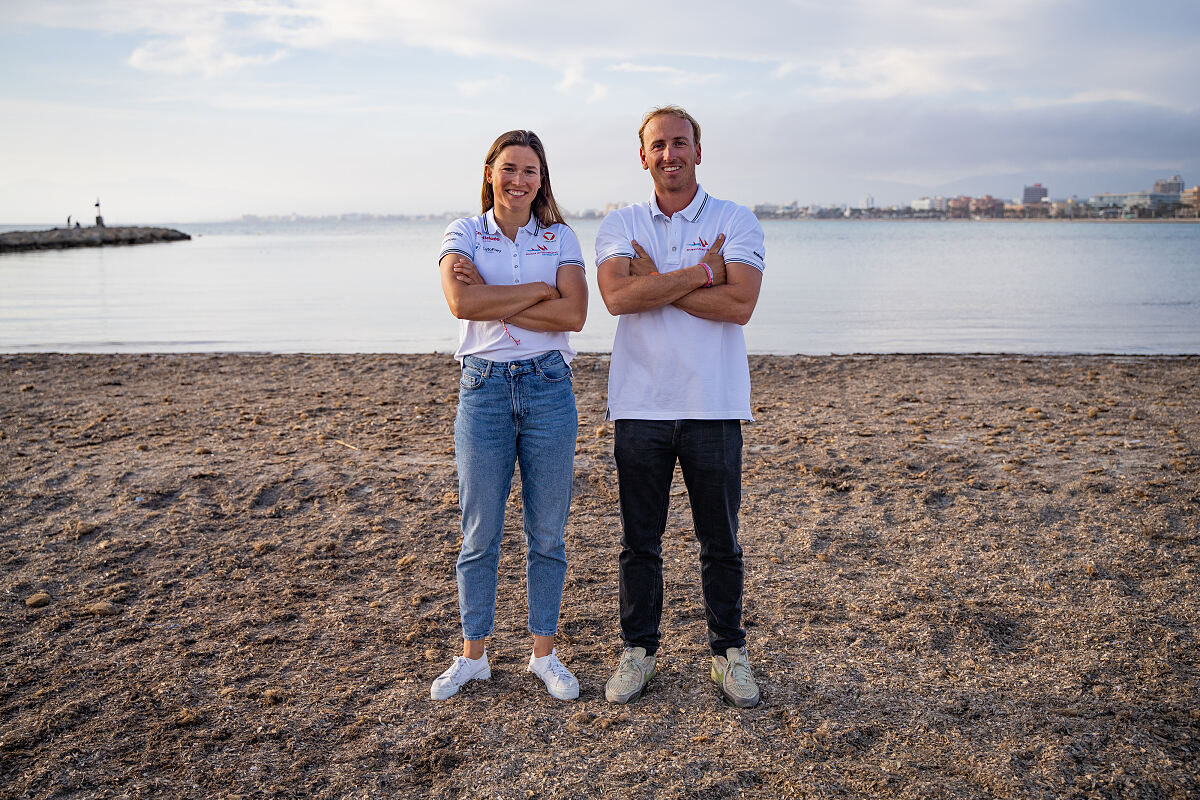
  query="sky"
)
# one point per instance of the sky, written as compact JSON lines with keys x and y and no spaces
{"x":198,"y":110}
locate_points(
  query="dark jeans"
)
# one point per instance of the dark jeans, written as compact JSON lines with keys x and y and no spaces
{"x":710,"y":456}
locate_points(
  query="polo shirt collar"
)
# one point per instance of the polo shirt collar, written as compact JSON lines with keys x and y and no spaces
{"x":533,"y":227}
{"x":691,"y":213}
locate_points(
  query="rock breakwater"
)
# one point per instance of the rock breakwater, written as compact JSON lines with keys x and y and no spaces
{"x":60,"y":238}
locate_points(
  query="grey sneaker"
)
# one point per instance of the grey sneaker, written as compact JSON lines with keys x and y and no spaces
{"x":732,"y":673}
{"x":633,"y":673}
{"x":462,"y":670}
{"x":558,"y":679}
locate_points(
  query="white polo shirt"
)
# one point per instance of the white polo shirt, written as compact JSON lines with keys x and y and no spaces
{"x":666,"y":363}
{"x":536,"y":255}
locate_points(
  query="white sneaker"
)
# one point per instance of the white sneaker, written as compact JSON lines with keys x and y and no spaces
{"x":462,"y":670}
{"x":558,"y":679}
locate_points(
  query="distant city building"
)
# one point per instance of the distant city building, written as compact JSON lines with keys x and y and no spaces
{"x":1069,"y":208}
{"x":1172,"y":185}
{"x":1034,"y":194}
{"x":1134,"y":202}
{"x":939,"y":204}
{"x":959,"y":206}
{"x":986,"y":206}
{"x":867,"y":202}
{"x":1191,"y":199}
{"x":1167,"y":197}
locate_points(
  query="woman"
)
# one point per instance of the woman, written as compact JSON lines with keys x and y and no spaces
{"x":514,"y":277}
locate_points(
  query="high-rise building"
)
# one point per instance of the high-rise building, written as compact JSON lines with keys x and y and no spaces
{"x":1034,"y":194}
{"x":1172,"y":185}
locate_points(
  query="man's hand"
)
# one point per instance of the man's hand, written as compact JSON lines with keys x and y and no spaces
{"x":716,"y":261}
{"x":642,"y":263}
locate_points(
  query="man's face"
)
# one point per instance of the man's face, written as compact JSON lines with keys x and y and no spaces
{"x":670,"y":152}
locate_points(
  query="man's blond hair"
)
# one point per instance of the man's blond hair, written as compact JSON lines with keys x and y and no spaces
{"x":673,"y":111}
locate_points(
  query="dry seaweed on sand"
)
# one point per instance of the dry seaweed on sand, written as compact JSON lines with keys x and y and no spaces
{"x":233,"y":576}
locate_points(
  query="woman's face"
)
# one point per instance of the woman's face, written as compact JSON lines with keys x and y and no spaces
{"x":515,"y":176}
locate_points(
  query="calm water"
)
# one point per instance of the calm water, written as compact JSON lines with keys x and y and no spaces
{"x":830,"y":287}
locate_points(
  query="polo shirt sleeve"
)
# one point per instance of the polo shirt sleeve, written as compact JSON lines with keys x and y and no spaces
{"x":568,"y":248}
{"x":459,"y":238}
{"x":744,"y":243}
{"x":613,"y":240}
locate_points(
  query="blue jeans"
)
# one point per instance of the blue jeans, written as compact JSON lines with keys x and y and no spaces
{"x":709,"y":453}
{"x":514,"y":413}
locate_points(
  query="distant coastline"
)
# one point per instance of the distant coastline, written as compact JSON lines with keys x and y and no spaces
{"x":1038,"y":220}
{"x":62,"y":238}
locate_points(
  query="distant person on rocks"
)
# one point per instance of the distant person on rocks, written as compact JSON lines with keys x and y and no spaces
{"x":514,"y":276}
{"x":682,"y":271}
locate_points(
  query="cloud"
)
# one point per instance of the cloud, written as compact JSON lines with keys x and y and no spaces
{"x":897,"y":72}
{"x":673,"y":75}
{"x":1019,"y":51}
{"x":863,"y":145}
{"x":482,"y":86}
{"x":801,"y":98}
{"x":196,"y":55}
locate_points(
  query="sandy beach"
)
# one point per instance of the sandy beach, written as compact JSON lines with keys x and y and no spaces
{"x":233,"y":577}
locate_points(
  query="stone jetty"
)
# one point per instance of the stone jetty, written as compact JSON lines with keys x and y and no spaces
{"x":60,"y":238}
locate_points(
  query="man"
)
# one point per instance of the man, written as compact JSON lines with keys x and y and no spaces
{"x":682,"y":271}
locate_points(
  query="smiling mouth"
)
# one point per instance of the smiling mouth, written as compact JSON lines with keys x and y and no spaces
{"x":515,"y":192}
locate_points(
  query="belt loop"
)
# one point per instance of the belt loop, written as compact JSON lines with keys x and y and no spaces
{"x":487,"y":370}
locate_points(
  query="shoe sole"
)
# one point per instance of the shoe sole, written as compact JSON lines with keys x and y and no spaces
{"x":434,"y":694}
{"x":629,"y":698}
{"x":741,"y":702}
{"x":565,"y":696}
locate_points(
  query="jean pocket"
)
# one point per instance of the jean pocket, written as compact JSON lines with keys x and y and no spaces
{"x":555,"y":372}
{"x":471,"y":378}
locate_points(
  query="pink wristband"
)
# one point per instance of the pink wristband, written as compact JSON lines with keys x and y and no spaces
{"x":707,"y":272}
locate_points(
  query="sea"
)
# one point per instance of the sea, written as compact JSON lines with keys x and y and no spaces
{"x":830,"y":287}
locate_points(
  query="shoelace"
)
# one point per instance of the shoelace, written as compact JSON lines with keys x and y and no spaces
{"x":459,"y":666}
{"x":558,"y":669}
{"x":739,"y":672}
{"x":628,"y":663}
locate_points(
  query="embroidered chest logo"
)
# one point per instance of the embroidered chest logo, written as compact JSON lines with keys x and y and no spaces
{"x":541,"y":250}
{"x":487,"y":237}
{"x":548,"y":236}
{"x":699,"y":244}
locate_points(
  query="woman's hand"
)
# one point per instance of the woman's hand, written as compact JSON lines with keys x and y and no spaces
{"x":465,"y":272}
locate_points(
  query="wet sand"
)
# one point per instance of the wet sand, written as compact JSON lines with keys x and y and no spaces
{"x":232,"y":576}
